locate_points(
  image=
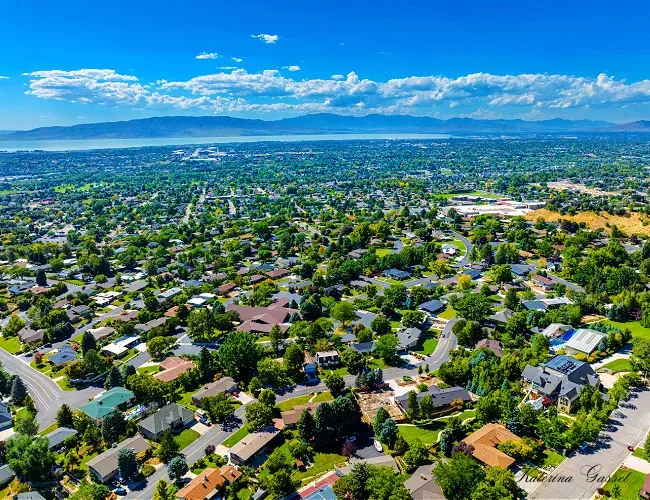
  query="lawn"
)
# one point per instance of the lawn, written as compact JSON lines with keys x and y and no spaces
{"x":429,"y":344}
{"x":236,"y":437}
{"x":64,"y":384}
{"x":448,"y":313}
{"x":323,"y":462}
{"x":631,"y":482}
{"x":186,"y":438}
{"x":619,"y":365}
{"x":149,"y":369}
{"x":382,"y":252}
{"x":428,"y":434}
{"x":49,"y":429}
{"x":461,"y":246}
{"x":290,"y":403}
{"x":638,"y":452}
{"x":635,"y":327}
{"x":323,"y":396}
{"x":11,"y":345}
{"x":185,"y":399}
{"x":551,"y":459}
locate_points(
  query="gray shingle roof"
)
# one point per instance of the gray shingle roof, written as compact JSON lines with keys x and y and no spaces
{"x":164,"y":418}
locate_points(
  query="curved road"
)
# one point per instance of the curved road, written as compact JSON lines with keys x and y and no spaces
{"x":468,"y":248}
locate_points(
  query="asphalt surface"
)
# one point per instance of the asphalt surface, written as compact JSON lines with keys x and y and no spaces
{"x":591,"y":468}
{"x":468,"y":248}
{"x":47,"y":395}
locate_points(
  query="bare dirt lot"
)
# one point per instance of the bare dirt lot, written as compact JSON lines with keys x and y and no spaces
{"x":634,"y":223}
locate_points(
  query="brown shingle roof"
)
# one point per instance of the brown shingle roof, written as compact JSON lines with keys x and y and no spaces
{"x":485,"y":441}
{"x":202,"y":486}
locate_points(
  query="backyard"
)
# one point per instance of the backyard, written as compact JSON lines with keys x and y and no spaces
{"x":635,"y":327}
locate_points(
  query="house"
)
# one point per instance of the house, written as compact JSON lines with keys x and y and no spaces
{"x":121,"y":346}
{"x":172,"y":368}
{"x":396,"y":274}
{"x":543,"y":282}
{"x":102,"y":332}
{"x":172,"y":417}
{"x":534,"y":305}
{"x":585,"y":341}
{"x":6,"y":421}
{"x":431,"y":306}
{"x":29,"y":495}
{"x":501,"y":317}
{"x":252,"y":445}
{"x":291,"y":417}
{"x":106,"y":402}
{"x":561,"y":378}
{"x":364,"y":347}
{"x":493,"y":345}
{"x":262,"y":319}
{"x":229,"y":473}
{"x":64,"y":355}
{"x":442,"y":398}
{"x":150,"y":325}
{"x":422,"y":484}
{"x":29,"y":336}
{"x":104,"y":465}
{"x":555,"y":330}
{"x":327,"y":358}
{"x":169,"y":294}
{"x":6,"y":475}
{"x":644,"y":492}
{"x":225,"y":384}
{"x":58,"y":436}
{"x":204,"y":486}
{"x":408,"y":338}
{"x":485,"y":441}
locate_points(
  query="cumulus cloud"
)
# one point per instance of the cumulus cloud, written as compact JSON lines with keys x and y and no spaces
{"x":266,"y":37}
{"x":207,"y":55}
{"x":232,"y":89}
{"x":237,"y":59}
{"x":4,"y":77}
{"x":293,"y":67}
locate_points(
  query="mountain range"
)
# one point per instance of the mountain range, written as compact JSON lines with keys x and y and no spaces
{"x":321,"y":123}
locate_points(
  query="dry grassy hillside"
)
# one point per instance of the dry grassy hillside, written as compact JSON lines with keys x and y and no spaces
{"x":634,"y":223}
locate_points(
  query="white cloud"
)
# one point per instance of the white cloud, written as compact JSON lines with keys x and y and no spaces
{"x":237,"y":59}
{"x":293,"y":67}
{"x":207,"y":55}
{"x":236,"y":90}
{"x":266,"y":37}
{"x":4,"y":77}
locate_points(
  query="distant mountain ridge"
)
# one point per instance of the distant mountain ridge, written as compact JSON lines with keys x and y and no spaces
{"x":320,"y":123}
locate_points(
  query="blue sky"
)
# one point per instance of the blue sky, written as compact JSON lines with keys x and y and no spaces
{"x":74,"y":62}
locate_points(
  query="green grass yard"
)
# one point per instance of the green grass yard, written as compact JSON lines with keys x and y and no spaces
{"x":448,"y":313}
{"x":428,"y":434}
{"x":638,"y":452}
{"x":11,"y":345}
{"x":635,"y":327}
{"x":149,"y":369}
{"x":236,"y":437}
{"x":323,"y":462}
{"x":186,"y":438}
{"x":382,"y":252}
{"x":630,"y":480}
{"x":619,"y":365}
{"x":428,"y":345}
{"x":290,"y":403}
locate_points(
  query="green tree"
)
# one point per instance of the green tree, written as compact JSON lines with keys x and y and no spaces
{"x":26,"y":424}
{"x":258,"y":416}
{"x":18,"y":391}
{"x":474,"y":307}
{"x":29,"y":457}
{"x":205,"y":364}
{"x":499,"y":484}
{"x":127,"y":464}
{"x":167,"y":448}
{"x":13,"y":326}
{"x":201,"y":325}
{"x":267,"y":397}
{"x":459,"y":476}
{"x":163,"y":491}
{"x":158,"y":347}
{"x":64,"y":416}
{"x":177,"y":468}
{"x":384,"y":484}
{"x":88,"y":342}
{"x":416,"y":455}
{"x":511,"y":301}
{"x":114,"y":378}
{"x":388,"y":432}
{"x":306,"y":426}
{"x":386,"y":347}
{"x":344,"y":312}
{"x":238,"y":355}
{"x":276,"y":336}
{"x":413,"y":406}
{"x":92,"y":491}
{"x":335,"y":384}
{"x":113,"y":426}
{"x":294,"y":357}
{"x":353,"y":360}
{"x":381,"y":325}
{"x":217,"y":407}
{"x":427,"y":407}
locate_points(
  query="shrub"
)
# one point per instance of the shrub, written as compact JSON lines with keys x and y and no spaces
{"x":147,"y":470}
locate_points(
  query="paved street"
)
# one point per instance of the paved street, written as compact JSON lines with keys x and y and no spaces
{"x":591,"y":468}
{"x":47,"y":395}
{"x":468,"y":248}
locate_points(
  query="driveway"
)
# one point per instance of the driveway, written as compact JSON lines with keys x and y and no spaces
{"x":590,"y":469}
{"x":47,"y":395}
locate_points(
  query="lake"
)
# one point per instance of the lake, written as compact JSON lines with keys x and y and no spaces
{"x":88,"y":144}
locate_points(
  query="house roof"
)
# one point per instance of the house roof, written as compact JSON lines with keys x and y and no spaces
{"x":290,"y":417}
{"x":164,"y":418}
{"x":561,"y":376}
{"x":57,"y":436}
{"x":422,"y":484}
{"x":5,"y":413}
{"x":485,"y":441}
{"x":64,"y":355}
{"x":224,"y":384}
{"x":585,"y":340}
{"x":106,"y":402}
{"x":203,"y":485}
{"x":254,"y":442}
{"x":492,"y":345}
{"x":229,"y":473}
{"x":441,"y":397}
{"x":105,"y":463}
{"x":431,"y":306}
{"x":172,"y":368}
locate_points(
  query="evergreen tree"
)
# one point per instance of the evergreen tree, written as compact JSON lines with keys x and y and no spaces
{"x":114,"y":378}
{"x":514,"y":424}
{"x":88,"y":342}
{"x":127,"y":464}
{"x":177,"y":468}
{"x":64,"y":416}
{"x":388,"y":432}
{"x":163,"y":491}
{"x":205,"y":364}
{"x":29,"y":405}
{"x":413,"y":406}
{"x":167,"y":448}
{"x":380,"y":417}
{"x":446,"y":442}
{"x":18,"y":391}
{"x":306,"y":426}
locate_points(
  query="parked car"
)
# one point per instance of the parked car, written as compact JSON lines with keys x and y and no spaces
{"x":120,"y":491}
